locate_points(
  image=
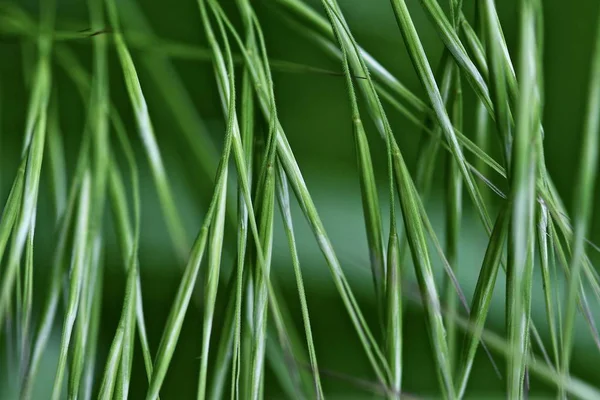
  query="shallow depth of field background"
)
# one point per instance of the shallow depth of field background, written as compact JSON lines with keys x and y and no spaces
{"x":314,"y":111}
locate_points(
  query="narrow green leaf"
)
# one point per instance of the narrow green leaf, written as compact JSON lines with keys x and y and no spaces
{"x":497,"y":67}
{"x":292,"y":170}
{"x":29,"y":197}
{"x":302,"y":10}
{"x":584,"y":195}
{"x":482,"y":298}
{"x":394,"y":313}
{"x":58,"y":268}
{"x":284,"y":205}
{"x":522,"y":197}
{"x":11,"y":207}
{"x":419,"y":59}
{"x":453,"y":194}
{"x":77,"y":274}
{"x":138,"y":101}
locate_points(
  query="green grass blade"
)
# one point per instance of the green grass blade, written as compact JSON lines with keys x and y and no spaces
{"x":394,"y":335}
{"x":300,"y":9}
{"x":423,"y":268}
{"x":99,"y":121}
{"x":168,"y":83}
{"x":186,"y":287}
{"x":77,"y":274}
{"x":11,"y":207}
{"x":482,"y":298}
{"x":94,"y":328}
{"x":497,"y":67}
{"x":35,"y":154}
{"x":453,"y":222}
{"x":449,"y":36}
{"x":584,"y":195}
{"x":58,"y":269}
{"x":126,"y":234}
{"x":539,"y":368}
{"x":419,"y":59}
{"x":80,"y":334}
{"x":370,"y":199}
{"x":545,"y":247}
{"x":226,"y":349}
{"x":284,"y":205}
{"x":247,"y":133}
{"x":453,"y":194}
{"x":297,"y":182}
{"x":521,"y":227}
{"x":26,"y":310}
{"x":138,"y":101}
{"x":56,"y":160}
{"x":212,"y":282}
{"x":177,"y":313}
{"x":132,"y":303}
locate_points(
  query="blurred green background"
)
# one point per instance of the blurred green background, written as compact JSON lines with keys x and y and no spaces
{"x":314,"y":111}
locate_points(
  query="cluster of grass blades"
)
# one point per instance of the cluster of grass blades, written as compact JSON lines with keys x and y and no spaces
{"x":530,"y":229}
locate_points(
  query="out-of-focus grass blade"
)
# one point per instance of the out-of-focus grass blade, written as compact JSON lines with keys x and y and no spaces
{"x":475,"y":45}
{"x":78,"y":260}
{"x":539,"y":368}
{"x":99,"y":122}
{"x":94,"y":327}
{"x":122,"y":346}
{"x":56,"y":159}
{"x":453,"y":195}
{"x":583,"y":198}
{"x":453,"y":222}
{"x":78,"y":75}
{"x":23,"y":332}
{"x":134,"y":90}
{"x":482,"y":141}
{"x":33,"y":151}
{"x":167,"y":81}
{"x":523,"y":200}
{"x":120,"y":349}
{"x":58,"y":269}
{"x":26,"y":213}
{"x":80,"y":334}
{"x":11,"y":207}
{"x":132,"y":302}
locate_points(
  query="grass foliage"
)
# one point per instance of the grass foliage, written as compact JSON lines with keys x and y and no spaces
{"x":256,"y":179}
